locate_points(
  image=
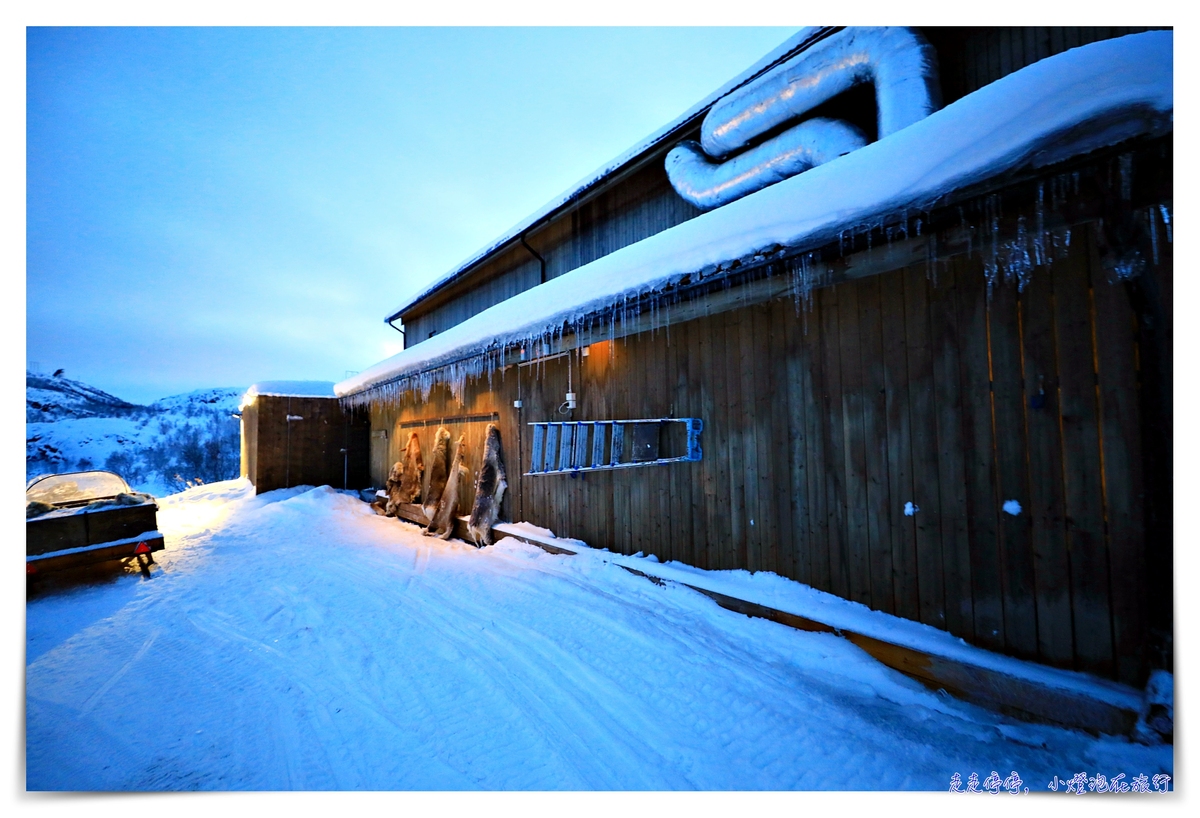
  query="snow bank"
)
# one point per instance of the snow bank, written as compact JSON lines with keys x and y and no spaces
{"x":773,"y":591}
{"x":1083,"y":99}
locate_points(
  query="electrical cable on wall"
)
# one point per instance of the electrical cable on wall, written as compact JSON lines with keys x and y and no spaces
{"x":569,"y":403}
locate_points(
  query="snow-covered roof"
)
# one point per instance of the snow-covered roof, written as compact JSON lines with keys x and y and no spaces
{"x":1066,"y":105}
{"x":290,"y":389}
{"x":587,"y":183}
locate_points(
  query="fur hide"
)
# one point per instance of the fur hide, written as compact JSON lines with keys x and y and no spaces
{"x":447,"y":507}
{"x":404,"y":482}
{"x":439,"y":468}
{"x":392,"y":487}
{"x":489,"y":490}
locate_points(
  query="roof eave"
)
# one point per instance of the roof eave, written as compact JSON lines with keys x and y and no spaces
{"x":584,"y":191}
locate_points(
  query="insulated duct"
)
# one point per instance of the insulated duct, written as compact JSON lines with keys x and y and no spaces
{"x":900,"y":63}
{"x":708,"y":184}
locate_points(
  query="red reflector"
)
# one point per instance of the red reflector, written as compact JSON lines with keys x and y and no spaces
{"x":30,"y":568}
{"x":142,"y":548}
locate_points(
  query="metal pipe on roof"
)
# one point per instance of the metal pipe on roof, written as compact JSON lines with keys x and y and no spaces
{"x":707,"y":184}
{"x":898,"y":60}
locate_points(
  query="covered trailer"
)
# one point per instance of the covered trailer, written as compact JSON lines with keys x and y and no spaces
{"x":82,"y":518}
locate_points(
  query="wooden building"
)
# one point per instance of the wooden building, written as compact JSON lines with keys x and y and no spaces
{"x":296,"y":433}
{"x":958,"y":413}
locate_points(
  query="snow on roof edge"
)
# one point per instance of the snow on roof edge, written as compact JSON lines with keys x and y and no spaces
{"x":608,"y":168}
{"x":1033,"y":115}
{"x":290,"y":389}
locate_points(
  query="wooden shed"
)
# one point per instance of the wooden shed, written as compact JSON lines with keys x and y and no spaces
{"x":932,"y":379}
{"x":297,"y":433}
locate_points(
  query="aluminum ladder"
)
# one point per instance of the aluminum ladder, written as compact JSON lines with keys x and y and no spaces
{"x":571,"y":446}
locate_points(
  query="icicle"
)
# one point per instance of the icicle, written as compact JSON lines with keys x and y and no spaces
{"x":1039,"y":242}
{"x":1153,"y":235}
{"x":1125,"y":167}
{"x":930,"y":256}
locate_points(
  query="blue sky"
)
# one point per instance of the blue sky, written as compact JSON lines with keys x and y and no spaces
{"x":214,"y":207}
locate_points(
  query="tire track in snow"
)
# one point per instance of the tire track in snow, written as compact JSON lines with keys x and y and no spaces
{"x":573,"y":724}
{"x":307,"y":643}
{"x":116,"y":677}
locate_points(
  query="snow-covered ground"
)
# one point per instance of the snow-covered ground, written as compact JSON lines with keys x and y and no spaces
{"x":298,"y":641}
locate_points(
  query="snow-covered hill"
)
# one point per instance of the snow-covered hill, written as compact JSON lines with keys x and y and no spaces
{"x":161,"y":448}
{"x":49,"y":398}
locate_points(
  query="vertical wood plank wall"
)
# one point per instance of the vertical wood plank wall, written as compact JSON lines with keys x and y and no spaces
{"x":422,"y":415}
{"x":971,"y":57}
{"x":821,"y":425}
{"x":279,"y":454}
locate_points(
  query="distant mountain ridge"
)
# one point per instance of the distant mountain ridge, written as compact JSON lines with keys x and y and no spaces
{"x":161,"y":447}
{"x":225,"y":399}
{"x":48,"y":398}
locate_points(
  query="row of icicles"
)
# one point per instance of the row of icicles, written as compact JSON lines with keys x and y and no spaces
{"x":1010,"y":259}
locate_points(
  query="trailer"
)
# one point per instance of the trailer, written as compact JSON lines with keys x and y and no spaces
{"x":83,"y":518}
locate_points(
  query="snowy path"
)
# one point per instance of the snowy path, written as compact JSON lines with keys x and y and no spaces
{"x":298,"y":641}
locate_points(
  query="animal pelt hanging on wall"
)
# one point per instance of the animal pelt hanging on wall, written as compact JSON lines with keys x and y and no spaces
{"x":392,"y":489}
{"x":404,"y":482}
{"x":447,"y":508}
{"x":439,"y":467}
{"x":489,"y":490}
